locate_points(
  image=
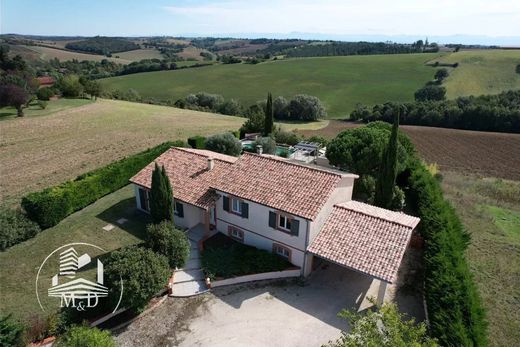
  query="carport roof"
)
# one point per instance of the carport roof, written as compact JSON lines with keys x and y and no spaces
{"x":365,"y":238}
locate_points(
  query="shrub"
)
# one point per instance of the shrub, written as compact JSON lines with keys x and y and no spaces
{"x":44,"y":93}
{"x":70,"y":86}
{"x":254,"y":124}
{"x":230,"y":107}
{"x":286,"y":137}
{"x":430,"y":92}
{"x":42,"y":104}
{"x":11,"y":332}
{"x":15,"y":227}
{"x":306,"y":107}
{"x":224,"y":258}
{"x":49,"y":206}
{"x":281,"y":108}
{"x":455,"y":311}
{"x":441,"y":74}
{"x":164,"y":239}
{"x":144,"y":274}
{"x":224,"y":143}
{"x":318,"y":139}
{"x":82,"y":336}
{"x":198,"y":142}
{"x":267,"y":143}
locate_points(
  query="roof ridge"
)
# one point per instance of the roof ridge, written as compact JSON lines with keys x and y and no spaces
{"x":379,"y":217}
{"x":187,"y":150}
{"x":294,"y":164}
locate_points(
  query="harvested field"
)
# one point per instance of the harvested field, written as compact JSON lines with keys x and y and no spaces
{"x":37,"y":152}
{"x":483,"y":153}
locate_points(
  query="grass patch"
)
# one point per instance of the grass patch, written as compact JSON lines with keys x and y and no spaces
{"x":481,"y":72}
{"x":20,"y":263}
{"x":35,"y":110}
{"x":490,"y":211}
{"x":340,"y":82}
{"x":300,"y":125}
{"x":224,"y":257}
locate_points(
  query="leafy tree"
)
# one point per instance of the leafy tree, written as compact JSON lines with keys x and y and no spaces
{"x":144,"y":274}
{"x":388,"y":170}
{"x":281,"y":108}
{"x":230,"y":107}
{"x":82,"y":336}
{"x":225,"y":143}
{"x":70,"y":86}
{"x":14,"y":95}
{"x":164,"y":239}
{"x":11,"y":332}
{"x":267,"y":143}
{"x":161,"y":196}
{"x":93,"y":88}
{"x":387,"y":327}
{"x":430,"y":92}
{"x":286,"y":137}
{"x":441,"y":74}
{"x":306,"y":107}
{"x":44,"y":93}
{"x":255,"y":121}
{"x":269,"y":121}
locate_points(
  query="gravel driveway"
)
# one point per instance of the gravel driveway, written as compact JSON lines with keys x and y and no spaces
{"x":287,"y":313}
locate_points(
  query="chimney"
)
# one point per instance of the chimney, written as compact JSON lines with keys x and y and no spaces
{"x":211,"y":164}
{"x":259,"y":149}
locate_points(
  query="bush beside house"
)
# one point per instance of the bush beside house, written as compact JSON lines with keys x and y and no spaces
{"x":82,"y":336}
{"x":164,"y":239}
{"x":225,"y":143}
{"x":49,"y":206}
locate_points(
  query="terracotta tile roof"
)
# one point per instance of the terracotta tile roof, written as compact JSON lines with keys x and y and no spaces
{"x":44,"y":80}
{"x":296,"y":189}
{"x":188,"y":172}
{"x":365,"y":238}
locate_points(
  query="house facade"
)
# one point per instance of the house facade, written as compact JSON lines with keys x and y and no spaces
{"x":287,"y":208}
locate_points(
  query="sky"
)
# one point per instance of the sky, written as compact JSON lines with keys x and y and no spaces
{"x":398,"y":20}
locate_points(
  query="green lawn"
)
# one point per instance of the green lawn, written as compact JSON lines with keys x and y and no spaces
{"x":340,"y":82}
{"x":52,"y":106}
{"x":482,"y":72}
{"x":20,"y":263}
{"x":490,"y":210}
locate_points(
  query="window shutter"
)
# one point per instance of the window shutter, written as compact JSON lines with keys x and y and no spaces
{"x":180,"y":210}
{"x":245,"y":210}
{"x":295,"y":227}
{"x":272,"y":219}
{"x":225,"y":203}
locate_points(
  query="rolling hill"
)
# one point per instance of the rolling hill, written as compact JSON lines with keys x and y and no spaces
{"x":340,"y":82}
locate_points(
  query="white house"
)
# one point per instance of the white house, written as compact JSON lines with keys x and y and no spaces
{"x":295,"y":210}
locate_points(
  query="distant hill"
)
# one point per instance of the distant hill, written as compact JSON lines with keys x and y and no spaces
{"x":103,"y":45}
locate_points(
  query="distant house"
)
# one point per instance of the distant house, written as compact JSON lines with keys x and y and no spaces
{"x":298,"y":211}
{"x":46,"y":81}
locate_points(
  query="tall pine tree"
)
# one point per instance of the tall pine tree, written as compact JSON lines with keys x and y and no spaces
{"x":269,"y":116}
{"x":388,"y":170}
{"x":161,"y":196}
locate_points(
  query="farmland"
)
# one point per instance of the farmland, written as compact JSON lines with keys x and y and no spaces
{"x":481,"y":72}
{"x":37,"y":152}
{"x":47,"y":53}
{"x":139,"y":54}
{"x":340,"y":82}
{"x":484,"y":153}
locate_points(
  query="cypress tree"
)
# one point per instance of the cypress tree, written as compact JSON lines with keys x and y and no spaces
{"x":161,"y":196}
{"x":269,"y":122}
{"x":388,"y":170}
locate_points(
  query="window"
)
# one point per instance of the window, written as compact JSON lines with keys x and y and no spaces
{"x":236,"y":206}
{"x":144,"y":199}
{"x":235,"y":233}
{"x":284,"y":222}
{"x":282,"y":251}
{"x":178,"y":209}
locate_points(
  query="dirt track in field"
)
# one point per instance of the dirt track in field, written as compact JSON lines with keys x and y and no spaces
{"x":478,"y":152}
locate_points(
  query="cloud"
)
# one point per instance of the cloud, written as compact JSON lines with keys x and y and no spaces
{"x":442,"y":17}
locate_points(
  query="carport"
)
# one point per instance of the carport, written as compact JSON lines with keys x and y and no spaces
{"x":366,"y":239}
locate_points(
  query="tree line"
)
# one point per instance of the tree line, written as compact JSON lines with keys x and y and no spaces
{"x":500,"y":112}
{"x":102,"y":45}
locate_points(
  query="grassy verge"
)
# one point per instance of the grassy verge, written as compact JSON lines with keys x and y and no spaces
{"x":224,"y":257}
{"x":20,"y":263}
{"x":490,"y":211}
{"x":52,"y":106}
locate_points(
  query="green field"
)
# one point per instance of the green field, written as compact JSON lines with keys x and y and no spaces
{"x":35,"y":110}
{"x":20,"y":263}
{"x":482,"y":72}
{"x":139,"y":54}
{"x":340,"y":82}
{"x":47,"y":53}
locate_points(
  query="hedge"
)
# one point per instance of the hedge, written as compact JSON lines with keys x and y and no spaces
{"x":15,"y":227}
{"x":455,"y":311}
{"x":198,"y":142}
{"x":49,"y":206}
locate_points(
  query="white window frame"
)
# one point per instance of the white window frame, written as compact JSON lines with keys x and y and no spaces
{"x":282,"y":251}
{"x":236,"y":233}
{"x":238,"y":209}
{"x":286,"y":226}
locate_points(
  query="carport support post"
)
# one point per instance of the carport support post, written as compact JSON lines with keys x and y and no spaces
{"x":381,"y":292}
